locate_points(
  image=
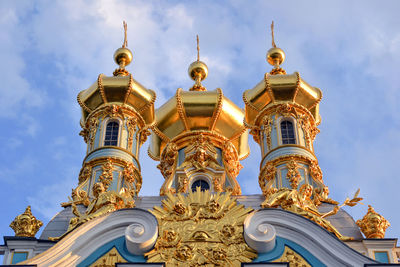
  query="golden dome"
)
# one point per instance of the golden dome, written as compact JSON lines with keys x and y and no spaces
{"x":281,"y":88}
{"x":118,"y":89}
{"x":209,"y":112}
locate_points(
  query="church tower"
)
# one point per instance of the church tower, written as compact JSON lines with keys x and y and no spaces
{"x":282,"y":112}
{"x":116,"y":114}
{"x":199,"y":138}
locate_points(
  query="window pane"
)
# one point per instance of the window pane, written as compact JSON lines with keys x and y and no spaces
{"x":111,"y":136}
{"x":287,"y":132}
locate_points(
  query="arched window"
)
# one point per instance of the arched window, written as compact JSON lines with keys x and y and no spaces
{"x":111,"y":136}
{"x":200,"y":183}
{"x":287,"y":132}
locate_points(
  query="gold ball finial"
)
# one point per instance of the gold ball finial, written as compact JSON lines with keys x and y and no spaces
{"x":123,"y":56}
{"x":198,"y":70}
{"x":275,"y":56}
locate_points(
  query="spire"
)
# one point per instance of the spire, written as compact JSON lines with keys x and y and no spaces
{"x":275,"y":56}
{"x":123,"y":56}
{"x":198,"y":71}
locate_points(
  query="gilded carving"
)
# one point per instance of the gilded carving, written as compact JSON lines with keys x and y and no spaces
{"x":201,"y":154}
{"x":26,"y":224}
{"x":133,"y":182}
{"x":103,"y":202}
{"x":373,"y":225}
{"x":201,"y":229}
{"x":167,"y":165}
{"x":267,"y":128}
{"x":315,"y":171}
{"x":93,"y":125}
{"x":300,"y":202}
{"x":293,"y":174}
{"x":293,"y":258}
{"x":106,"y":176}
{"x":109,"y":259}
{"x":85,"y":173}
{"x":322,"y":196}
{"x":231,"y":160}
{"x":266,"y":179}
{"x":144,"y":133}
{"x":131,"y":125}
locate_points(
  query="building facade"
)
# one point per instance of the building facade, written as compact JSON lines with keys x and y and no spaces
{"x":200,"y":217}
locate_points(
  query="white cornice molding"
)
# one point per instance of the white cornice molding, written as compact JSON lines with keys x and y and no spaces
{"x":86,"y":239}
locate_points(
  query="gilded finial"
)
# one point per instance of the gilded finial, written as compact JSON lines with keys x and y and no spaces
{"x":272,"y":34}
{"x":198,"y":71}
{"x":125,"y":44}
{"x":26,"y":224}
{"x":123,"y":56}
{"x":198,"y":48}
{"x":373,"y":225}
{"x":275,"y":56}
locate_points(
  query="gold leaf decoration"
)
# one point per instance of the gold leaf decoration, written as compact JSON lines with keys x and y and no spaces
{"x":201,"y":229}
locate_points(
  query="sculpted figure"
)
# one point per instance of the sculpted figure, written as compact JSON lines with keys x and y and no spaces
{"x":322,"y":196}
{"x":300,"y":202}
{"x":102,"y":203}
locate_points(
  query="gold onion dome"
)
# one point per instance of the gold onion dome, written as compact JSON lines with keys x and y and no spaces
{"x":198,"y":110}
{"x":278,"y":87}
{"x":119,"y":88}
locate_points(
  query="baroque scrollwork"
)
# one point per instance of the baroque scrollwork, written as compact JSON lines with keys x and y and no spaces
{"x":93,"y":125}
{"x":131,"y":123}
{"x":231,"y":160}
{"x":201,"y":154}
{"x":293,"y":174}
{"x":167,"y":165}
{"x":266,"y":123}
{"x":266,"y":179}
{"x":201,"y":229}
{"x":106,"y":176}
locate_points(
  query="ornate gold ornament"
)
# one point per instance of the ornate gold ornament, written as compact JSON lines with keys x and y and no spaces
{"x":109,"y":259}
{"x":300,"y":202}
{"x":293,"y":174}
{"x":373,"y":225}
{"x":167,"y":166}
{"x":201,"y":229}
{"x":293,"y":258}
{"x":201,"y":154}
{"x":106,"y":176}
{"x":267,"y":128}
{"x":321,"y":196}
{"x":131,"y":125}
{"x":26,"y":224}
{"x":315,"y":171}
{"x":93,"y":124}
{"x":266,"y":179}
{"x":231,"y":160}
{"x":103,"y":202}
{"x":133,"y":182}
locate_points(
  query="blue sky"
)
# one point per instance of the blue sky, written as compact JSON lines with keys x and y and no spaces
{"x":51,"y":50}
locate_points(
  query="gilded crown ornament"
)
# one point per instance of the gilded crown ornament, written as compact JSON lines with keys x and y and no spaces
{"x":26,"y":224}
{"x":373,"y":225}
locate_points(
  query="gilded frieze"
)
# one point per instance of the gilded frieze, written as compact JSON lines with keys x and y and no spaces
{"x":201,"y":229}
{"x":293,"y":174}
